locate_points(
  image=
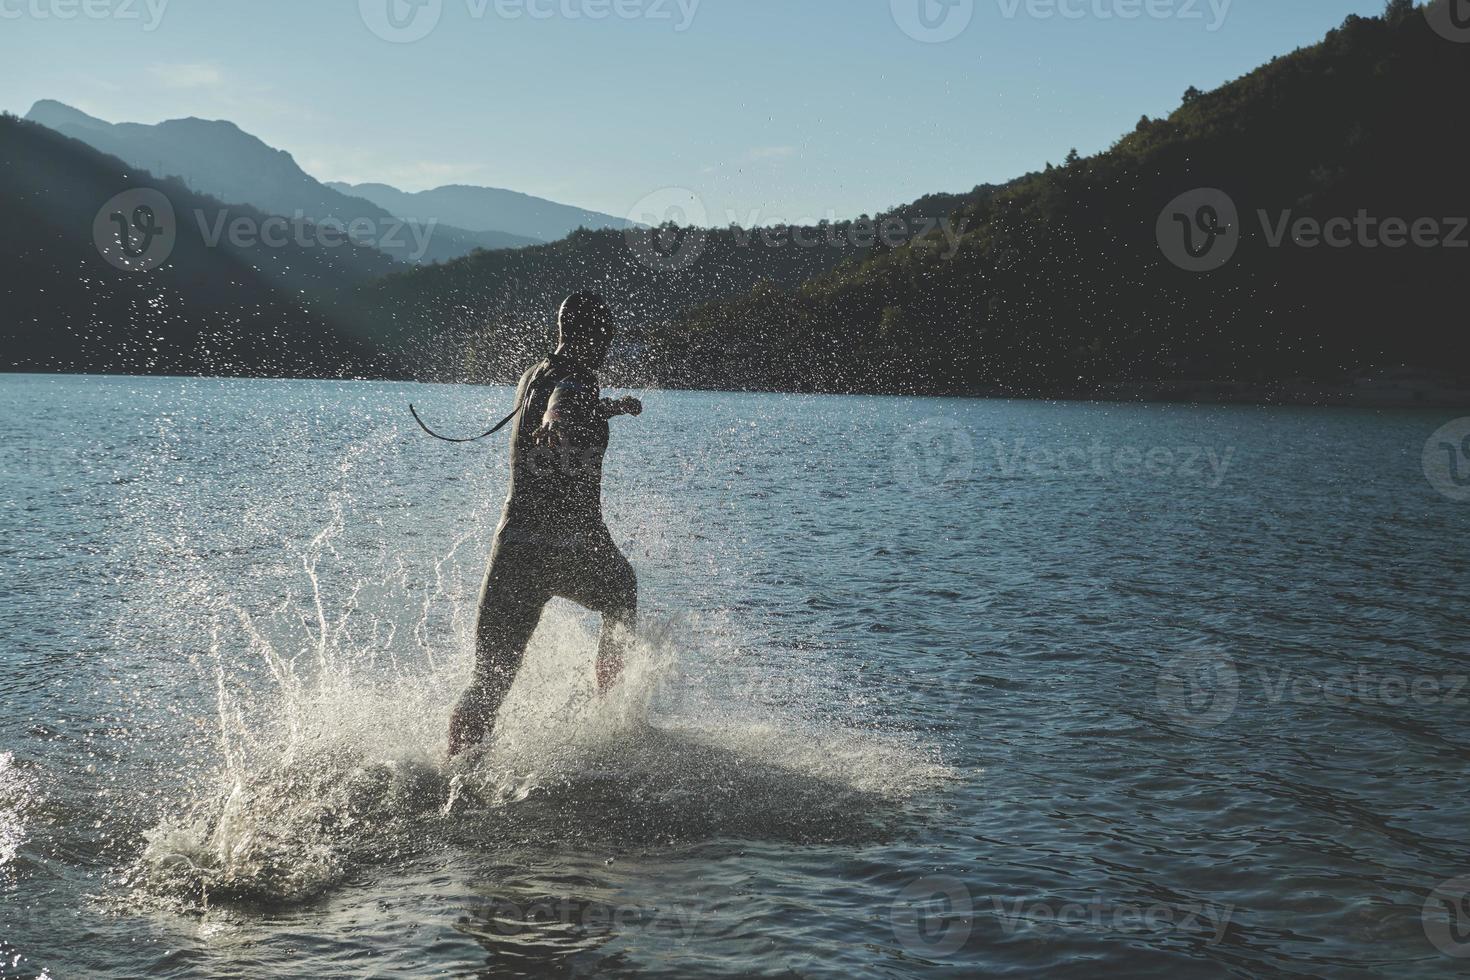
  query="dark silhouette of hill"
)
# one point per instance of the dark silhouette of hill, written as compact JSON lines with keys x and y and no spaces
{"x":1061,"y":285}
{"x":486,"y":209}
{"x":480,"y":317}
{"x":475,"y":318}
{"x":217,"y":158}
{"x":207,"y":309}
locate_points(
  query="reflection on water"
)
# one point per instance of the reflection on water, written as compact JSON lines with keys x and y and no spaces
{"x":925,"y":687}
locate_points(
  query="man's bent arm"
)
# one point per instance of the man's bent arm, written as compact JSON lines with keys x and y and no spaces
{"x":572,"y":406}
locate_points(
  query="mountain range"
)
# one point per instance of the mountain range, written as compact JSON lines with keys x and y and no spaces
{"x":219,"y":159}
{"x":485,"y":209}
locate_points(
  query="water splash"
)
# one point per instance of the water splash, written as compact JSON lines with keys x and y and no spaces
{"x":331,"y":671}
{"x":16,"y":795}
{"x":356,"y":775}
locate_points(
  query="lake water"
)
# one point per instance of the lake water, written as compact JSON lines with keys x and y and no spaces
{"x":927,"y":688}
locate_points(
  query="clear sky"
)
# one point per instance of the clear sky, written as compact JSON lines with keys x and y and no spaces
{"x":767,"y":109}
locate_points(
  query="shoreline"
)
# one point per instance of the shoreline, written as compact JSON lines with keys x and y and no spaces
{"x":1393,"y":392}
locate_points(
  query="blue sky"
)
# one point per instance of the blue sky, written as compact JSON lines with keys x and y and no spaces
{"x":768,"y":110}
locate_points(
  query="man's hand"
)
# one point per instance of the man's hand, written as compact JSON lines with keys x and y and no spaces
{"x":627,"y":405}
{"x":550,"y":433}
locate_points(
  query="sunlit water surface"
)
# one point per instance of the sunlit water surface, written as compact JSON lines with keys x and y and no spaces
{"x":926,"y":687}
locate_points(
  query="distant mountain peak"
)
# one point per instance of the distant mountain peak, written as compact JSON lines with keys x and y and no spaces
{"x":53,"y":114}
{"x":346,"y":188}
{"x":223,"y":125}
{"x":220,"y":129}
{"x":482,"y":208}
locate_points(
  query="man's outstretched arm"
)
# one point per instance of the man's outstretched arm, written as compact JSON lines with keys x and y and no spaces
{"x":572,"y":405}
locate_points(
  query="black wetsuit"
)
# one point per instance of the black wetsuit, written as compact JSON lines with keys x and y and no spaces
{"x":551,"y":540}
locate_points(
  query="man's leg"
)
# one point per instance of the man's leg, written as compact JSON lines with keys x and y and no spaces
{"x":511,"y":601}
{"x":601,"y":579}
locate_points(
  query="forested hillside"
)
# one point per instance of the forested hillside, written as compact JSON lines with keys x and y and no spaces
{"x":1061,"y":284}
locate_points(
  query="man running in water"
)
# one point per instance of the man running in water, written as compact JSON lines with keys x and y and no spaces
{"x":552,"y":540}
